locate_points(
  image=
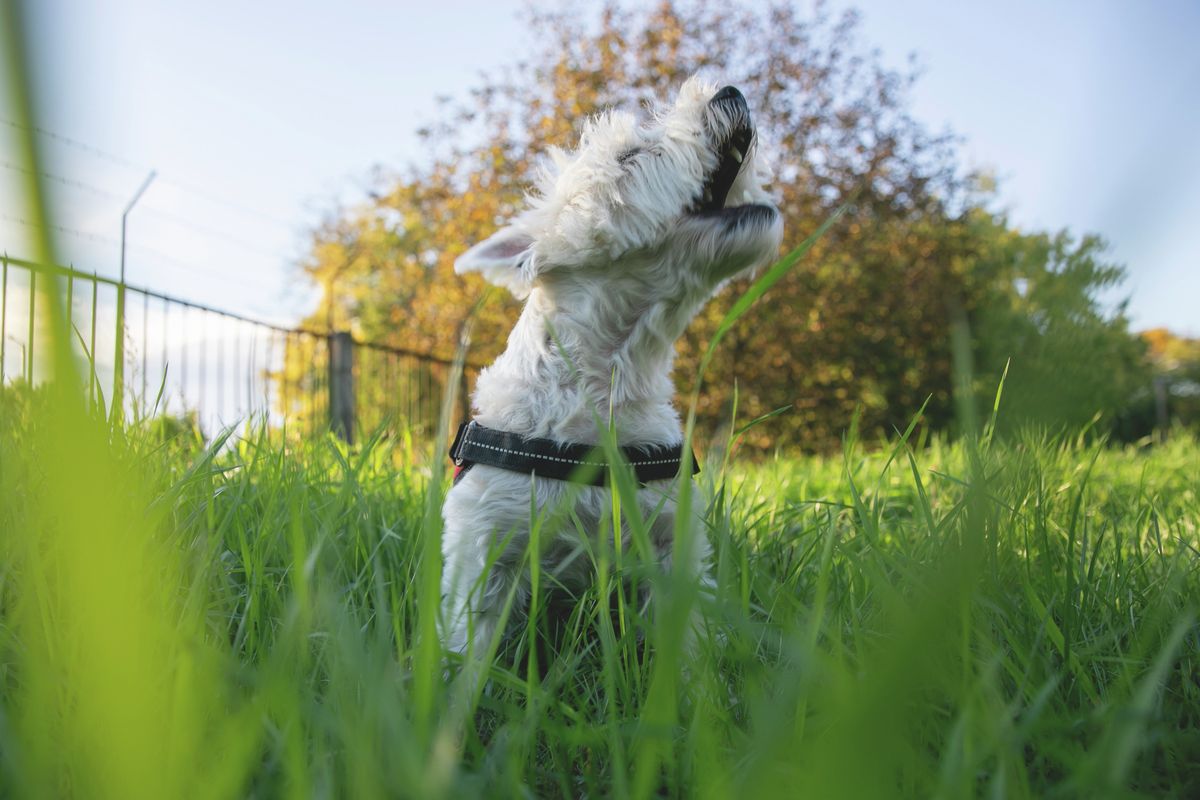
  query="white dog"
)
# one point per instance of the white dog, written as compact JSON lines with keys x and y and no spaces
{"x":624,"y":241}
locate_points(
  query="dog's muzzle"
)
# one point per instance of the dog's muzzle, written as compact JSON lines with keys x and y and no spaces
{"x":729,"y":123}
{"x":731,"y":96}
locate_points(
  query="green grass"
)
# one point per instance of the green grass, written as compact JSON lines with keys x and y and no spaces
{"x":256,"y":617}
{"x":894,"y":622}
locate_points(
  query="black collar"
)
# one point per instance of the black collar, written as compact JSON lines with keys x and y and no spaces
{"x":475,"y":444}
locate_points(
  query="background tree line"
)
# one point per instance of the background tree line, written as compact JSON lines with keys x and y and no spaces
{"x":862,"y":325}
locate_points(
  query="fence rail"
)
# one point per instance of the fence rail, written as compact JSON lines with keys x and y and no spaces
{"x":151,"y":353}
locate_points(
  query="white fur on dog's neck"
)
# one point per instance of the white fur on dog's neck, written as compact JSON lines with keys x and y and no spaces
{"x":565,"y":370}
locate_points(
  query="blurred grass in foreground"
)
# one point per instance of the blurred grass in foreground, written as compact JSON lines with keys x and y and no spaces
{"x":883,"y":626}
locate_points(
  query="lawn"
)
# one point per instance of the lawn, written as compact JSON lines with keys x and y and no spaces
{"x":255,"y":617}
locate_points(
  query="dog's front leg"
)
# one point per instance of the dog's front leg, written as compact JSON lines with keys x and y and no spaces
{"x":478,"y":586}
{"x":689,"y":567}
{"x":463,"y":564}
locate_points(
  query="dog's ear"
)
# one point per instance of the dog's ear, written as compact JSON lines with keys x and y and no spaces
{"x":505,"y":258}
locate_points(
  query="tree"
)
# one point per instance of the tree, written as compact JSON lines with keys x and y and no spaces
{"x":1039,"y":316}
{"x":860,"y":325}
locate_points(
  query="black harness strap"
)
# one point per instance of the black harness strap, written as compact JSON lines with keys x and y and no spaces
{"x":475,"y":444}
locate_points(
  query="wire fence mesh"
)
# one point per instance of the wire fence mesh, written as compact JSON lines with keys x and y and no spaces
{"x":184,"y":359}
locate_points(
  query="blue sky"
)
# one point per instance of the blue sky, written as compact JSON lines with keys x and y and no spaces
{"x":259,"y":117}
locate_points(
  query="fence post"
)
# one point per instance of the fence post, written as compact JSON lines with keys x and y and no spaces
{"x":118,"y":393}
{"x":3,"y":316}
{"x":341,"y":385}
{"x":464,"y":398}
{"x":32,"y":314}
{"x":1161,"y":412}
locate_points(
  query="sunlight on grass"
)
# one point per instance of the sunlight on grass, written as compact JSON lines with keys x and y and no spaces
{"x":260,"y":626}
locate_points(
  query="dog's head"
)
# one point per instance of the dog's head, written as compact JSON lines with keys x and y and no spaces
{"x":676,"y":203}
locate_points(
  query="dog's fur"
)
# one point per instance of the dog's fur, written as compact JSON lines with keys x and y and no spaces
{"x":614,"y":259}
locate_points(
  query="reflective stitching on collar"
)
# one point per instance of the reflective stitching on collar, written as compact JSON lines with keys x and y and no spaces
{"x":467,"y":440}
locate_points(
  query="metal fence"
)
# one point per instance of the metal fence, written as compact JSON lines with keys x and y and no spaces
{"x":152,"y":354}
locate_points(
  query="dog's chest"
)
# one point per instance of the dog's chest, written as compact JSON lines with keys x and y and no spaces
{"x":501,"y":513}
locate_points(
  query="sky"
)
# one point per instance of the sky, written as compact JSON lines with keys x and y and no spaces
{"x":260,"y":118}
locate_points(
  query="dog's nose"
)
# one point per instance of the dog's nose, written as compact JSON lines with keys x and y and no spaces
{"x":728,"y":93}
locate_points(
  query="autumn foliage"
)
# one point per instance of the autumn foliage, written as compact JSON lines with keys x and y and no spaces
{"x":862,"y":326}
